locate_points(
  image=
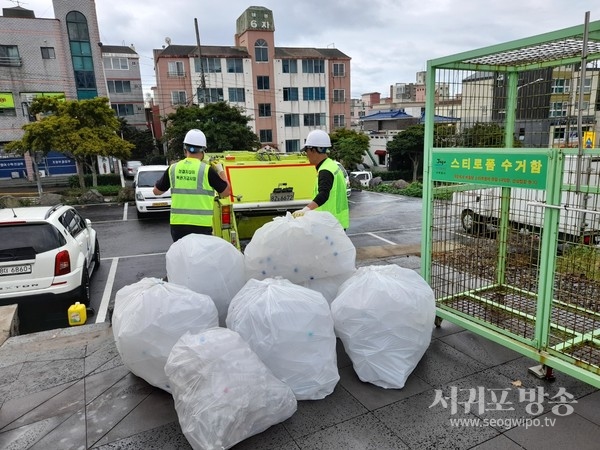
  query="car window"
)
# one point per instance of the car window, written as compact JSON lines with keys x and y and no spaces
{"x":73,"y":222}
{"x":149,"y":178}
{"x":42,"y":237}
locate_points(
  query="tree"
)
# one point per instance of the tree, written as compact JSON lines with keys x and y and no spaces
{"x":225,"y":127}
{"x":348,"y":147}
{"x":144,"y":146}
{"x":81,"y":129}
{"x":485,"y":134}
{"x":408,"y":144}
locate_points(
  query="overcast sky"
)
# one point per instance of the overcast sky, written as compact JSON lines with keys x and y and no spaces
{"x":388,"y":40}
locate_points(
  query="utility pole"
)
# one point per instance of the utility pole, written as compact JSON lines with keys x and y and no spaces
{"x":202,"y":79}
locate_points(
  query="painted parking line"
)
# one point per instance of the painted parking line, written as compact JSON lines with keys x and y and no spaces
{"x":380,"y":238}
{"x":103,"y":309}
{"x":125,"y":211}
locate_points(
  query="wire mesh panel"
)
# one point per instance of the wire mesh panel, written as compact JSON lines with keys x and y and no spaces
{"x":512,"y":195}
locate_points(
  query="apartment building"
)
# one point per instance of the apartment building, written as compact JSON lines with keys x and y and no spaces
{"x":287,"y":91}
{"x":124,"y":83}
{"x":61,"y":57}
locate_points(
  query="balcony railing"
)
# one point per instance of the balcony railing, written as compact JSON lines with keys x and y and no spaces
{"x":13,"y":61}
{"x":176,"y":74}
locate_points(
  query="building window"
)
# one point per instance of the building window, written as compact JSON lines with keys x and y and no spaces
{"x":559,"y":133}
{"x":339,"y":95}
{"x":291,"y":120}
{"x":175,"y":69}
{"x":290,"y":94}
{"x":261,"y":51}
{"x":292,"y":145}
{"x":235,"y":65}
{"x":77,"y":27}
{"x":9,"y":55}
{"x":339,"y":121}
{"x":237,"y":95}
{"x":313,"y":93}
{"x":289,"y":65}
{"x":339,"y":69}
{"x":587,"y":86}
{"x":123,"y":109}
{"x":558,"y":109}
{"x":313,"y":66}
{"x":178,"y":98}
{"x":262,"y":83}
{"x":210,"y":95}
{"x":560,"y":85}
{"x":264,"y":110}
{"x":314,"y":120}
{"x":119,"y":86}
{"x":116,"y":63}
{"x":48,"y":53}
{"x":266,"y":135}
{"x":85,"y":79}
{"x":209,"y":65}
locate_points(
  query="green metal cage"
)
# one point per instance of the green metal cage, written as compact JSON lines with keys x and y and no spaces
{"x":511,"y":202}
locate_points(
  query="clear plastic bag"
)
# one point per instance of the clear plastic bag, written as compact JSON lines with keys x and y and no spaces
{"x":149,"y":317}
{"x":291,"y":329}
{"x":300,"y":250}
{"x":208,"y":265}
{"x":223,"y":392}
{"x":384,"y":316}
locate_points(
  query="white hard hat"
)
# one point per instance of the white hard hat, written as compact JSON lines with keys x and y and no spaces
{"x":318,"y":139}
{"x":195,"y":141}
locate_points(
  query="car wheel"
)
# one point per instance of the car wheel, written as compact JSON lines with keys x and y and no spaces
{"x":96,"y":255}
{"x":140,"y":215}
{"x":84,"y":289}
{"x":471,"y":222}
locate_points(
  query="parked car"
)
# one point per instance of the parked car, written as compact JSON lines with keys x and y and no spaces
{"x":145,"y":200}
{"x":130,"y":168}
{"x":362,"y":177}
{"x":47,"y":256}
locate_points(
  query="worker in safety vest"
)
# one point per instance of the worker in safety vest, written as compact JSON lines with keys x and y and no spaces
{"x":193,"y":184}
{"x":330,"y":185}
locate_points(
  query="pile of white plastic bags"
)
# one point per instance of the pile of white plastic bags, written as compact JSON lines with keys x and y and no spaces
{"x":238,"y":338}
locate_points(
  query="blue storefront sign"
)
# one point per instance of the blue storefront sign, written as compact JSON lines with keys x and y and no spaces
{"x":54,"y":163}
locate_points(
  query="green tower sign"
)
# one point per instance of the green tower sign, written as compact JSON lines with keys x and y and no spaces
{"x":256,"y":18}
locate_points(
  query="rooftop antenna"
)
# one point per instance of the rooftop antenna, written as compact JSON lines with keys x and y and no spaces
{"x":17,"y":2}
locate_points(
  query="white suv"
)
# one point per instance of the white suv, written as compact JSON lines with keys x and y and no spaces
{"x":47,"y":255}
{"x":145,"y":199}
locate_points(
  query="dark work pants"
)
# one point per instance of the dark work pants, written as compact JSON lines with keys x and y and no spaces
{"x":179,"y":231}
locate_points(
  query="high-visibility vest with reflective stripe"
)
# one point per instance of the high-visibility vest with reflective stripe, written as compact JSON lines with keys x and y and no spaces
{"x":192,"y":196}
{"x":337,"y":204}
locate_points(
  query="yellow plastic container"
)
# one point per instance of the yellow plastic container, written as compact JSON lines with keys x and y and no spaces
{"x":77,"y":314}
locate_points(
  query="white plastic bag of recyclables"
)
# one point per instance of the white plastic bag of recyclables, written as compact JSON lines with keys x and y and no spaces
{"x":208,"y":265}
{"x":223,"y":392}
{"x":300,"y":250}
{"x":384,"y":315}
{"x":291,"y":329}
{"x":149,"y":317}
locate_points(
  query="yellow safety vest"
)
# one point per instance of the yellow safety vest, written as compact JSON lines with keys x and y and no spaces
{"x":192,"y":196}
{"x":337,"y":204}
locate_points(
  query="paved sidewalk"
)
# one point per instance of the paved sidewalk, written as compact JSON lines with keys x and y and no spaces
{"x":67,"y":389}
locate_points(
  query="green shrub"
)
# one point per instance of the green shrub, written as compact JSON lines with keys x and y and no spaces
{"x":103,"y":180}
{"x":390,"y":175}
{"x":108,"y":191}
